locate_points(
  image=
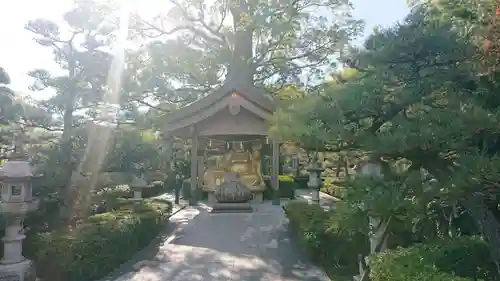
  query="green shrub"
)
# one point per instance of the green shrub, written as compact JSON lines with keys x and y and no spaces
{"x":154,"y":189}
{"x":301,"y":182}
{"x":286,"y":188}
{"x":96,"y":247}
{"x":116,"y":191}
{"x":459,"y":259}
{"x":321,"y":235}
{"x":329,"y":186}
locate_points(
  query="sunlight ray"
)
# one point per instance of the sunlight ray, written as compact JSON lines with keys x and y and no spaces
{"x":101,"y":130}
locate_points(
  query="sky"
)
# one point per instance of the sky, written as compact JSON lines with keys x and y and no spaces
{"x":20,"y":54}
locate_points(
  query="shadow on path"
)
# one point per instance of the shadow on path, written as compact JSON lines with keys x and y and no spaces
{"x":220,"y":247}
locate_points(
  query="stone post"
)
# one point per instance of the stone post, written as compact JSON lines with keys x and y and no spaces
{"x":373,"y":169}
{"x":193,"y":198}
{"x":16,"y":202}
{"x":377,"y":226}
{"x":314,"y":182}
{"x":137,"y":184}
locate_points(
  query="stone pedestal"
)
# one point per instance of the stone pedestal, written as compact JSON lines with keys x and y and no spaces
{"x":13,"y":265}
{"x":13,"y":242}
{"x":211,"y":199}
{"x":232,"y":208}
{"x":258,"y":197}
{"x":16,"y":201}
{"x":137,"y":185}
{"x":20,"y":271}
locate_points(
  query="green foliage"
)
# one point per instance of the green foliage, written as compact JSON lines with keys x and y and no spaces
{"x":459,"y":259}
{"x":98,"y":246}
{"x":154,"y":189}
{"x":331,"y":187}
{"x":132,"y":145}
{"x":124,"y":191}
{"x":278,"y":33}
{"x":9,"y":111}
{"x":326,"y":236}
{"x":287,"y":188}
{"x":421,"y":95}
{"x":301,"y":182}
{"x":381,"y":198}
{"x":186,"y":189}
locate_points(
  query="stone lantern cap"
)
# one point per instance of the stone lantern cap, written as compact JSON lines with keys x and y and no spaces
{"x":16,"y":169}
{"x":137,"y":183}
{"x":16,"y":197}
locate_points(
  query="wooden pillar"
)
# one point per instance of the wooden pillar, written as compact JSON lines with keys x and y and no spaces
{"x":194,"y":169}
{"x":201,"y":170}
{"x":275,"y":173}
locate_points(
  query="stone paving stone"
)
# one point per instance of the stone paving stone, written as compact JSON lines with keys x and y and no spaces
{"x":227,"y":247}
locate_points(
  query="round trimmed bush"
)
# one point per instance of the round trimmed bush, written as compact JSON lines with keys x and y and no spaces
{"x":322,"y":236}
{"x":458,"y":259}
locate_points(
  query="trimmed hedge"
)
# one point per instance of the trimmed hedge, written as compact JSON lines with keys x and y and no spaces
{"x":96,"y":247}
{"x":154,"y":189}
{"x":329,"y":243}
{"x":287,"y":188}
{"x":459,"y":259}
{"x":320,"y":234}
{"x":301,"y":182}
{"x":123,"y":191}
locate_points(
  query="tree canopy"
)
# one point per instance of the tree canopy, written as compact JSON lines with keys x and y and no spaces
{"x":423,"y":93}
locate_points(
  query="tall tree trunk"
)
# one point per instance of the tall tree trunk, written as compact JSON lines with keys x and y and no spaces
{"x":67,"y":143}
{"x":241,"y":70}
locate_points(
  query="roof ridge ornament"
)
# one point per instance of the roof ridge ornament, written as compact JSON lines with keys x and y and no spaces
{"x":234,"y":105}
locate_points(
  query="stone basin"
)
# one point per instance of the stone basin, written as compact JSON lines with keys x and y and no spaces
{"x":232,"y":195}
{"x":233,"y":192}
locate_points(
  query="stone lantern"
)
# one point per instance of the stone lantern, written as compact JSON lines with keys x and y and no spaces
{"x":16,"y":202}
{"x":137,"y":184}
{"x":314,"y":182}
